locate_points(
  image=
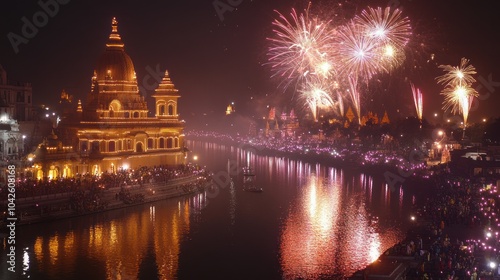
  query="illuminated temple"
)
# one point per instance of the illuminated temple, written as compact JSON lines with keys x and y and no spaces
{"x":112,"y":129}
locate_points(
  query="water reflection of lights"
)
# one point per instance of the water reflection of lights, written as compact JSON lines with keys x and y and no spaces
{"x":332,"y":232}
{"x":121,"y":246}
{"x":26,"y":262}
{"x":152,"y":213}
{"x":322,"y":210}
{"x":198,"y":201}
{"x":307,"y":240}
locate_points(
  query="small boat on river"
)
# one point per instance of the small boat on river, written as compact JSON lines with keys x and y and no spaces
{"x":249,"y":179}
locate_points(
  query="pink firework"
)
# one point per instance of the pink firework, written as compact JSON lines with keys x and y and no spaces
{"x":386,"y":26}
{"x":390,"y":31}
{"x":301,"y":47}
{"x":358,"y":54}
{"x":417,"y":98}
{"x":458,"y":92}
{"x":354,"y":94}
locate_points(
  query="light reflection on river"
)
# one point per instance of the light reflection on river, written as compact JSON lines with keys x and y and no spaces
{"x":311,"y":221}
{"x":329,"y":230}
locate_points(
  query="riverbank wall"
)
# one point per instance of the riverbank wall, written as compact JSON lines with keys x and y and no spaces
{"x":46,"y":208}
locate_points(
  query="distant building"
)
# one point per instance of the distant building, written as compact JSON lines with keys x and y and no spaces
{"x":290,"y":124}
{"x":11,"y":140}
{"x":286,"y":125}
{"x":112,"y":130}
{"x":15,"y":99}
{"x":11,"y":145}
{"x":230,"y":109}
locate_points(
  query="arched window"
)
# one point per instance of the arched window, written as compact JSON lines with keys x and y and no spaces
{"x":127,"y":115}
{"x":161,"y":110}
{"x":170,"y":143}
{"x":138,"y":147}
{"x":84,"y":146}
{"x":162,"y":143}
{"x":151,"y":143}
{"x":111,"y":146}
{"x":95,"y":146}
{"x":136,"y":115}
{"x":176,"y":142}
{"x":170,"y":109}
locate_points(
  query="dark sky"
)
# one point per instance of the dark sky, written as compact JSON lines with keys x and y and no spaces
{"x":214,"y":62}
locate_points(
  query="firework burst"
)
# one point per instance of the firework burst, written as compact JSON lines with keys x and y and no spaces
{"x":458,"y":93}
{"x":386,"y":26}
{"x":458,"y":75}
{"x":301,"y":47}
{"x":389,"y":30}
{"x":316,"y":97}
{"x":318,"y":55}
{"x":358,"y":54}
{"x":459,"y":100}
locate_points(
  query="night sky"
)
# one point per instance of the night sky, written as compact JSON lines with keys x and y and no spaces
{"x":214,"y":62}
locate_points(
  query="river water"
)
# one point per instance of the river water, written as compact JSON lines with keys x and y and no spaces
{"x":311,"y":221}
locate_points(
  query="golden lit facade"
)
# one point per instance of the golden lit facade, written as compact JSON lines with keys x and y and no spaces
{"x":112,"y":129}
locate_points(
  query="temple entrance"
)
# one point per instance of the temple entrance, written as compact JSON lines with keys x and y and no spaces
{"x":138,"y":147}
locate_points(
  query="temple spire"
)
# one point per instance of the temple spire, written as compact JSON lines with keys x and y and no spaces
{"x":114,"y":25}
{"x":114,"y":41}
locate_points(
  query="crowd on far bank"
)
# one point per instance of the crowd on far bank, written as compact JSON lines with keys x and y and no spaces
{"x":458,"y":237}
{"x":141,"y":176}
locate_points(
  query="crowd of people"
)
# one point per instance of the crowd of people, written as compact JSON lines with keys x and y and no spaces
{"x":85,"y":182}
{"x":84,"y":193}
{"x":458,"y":236}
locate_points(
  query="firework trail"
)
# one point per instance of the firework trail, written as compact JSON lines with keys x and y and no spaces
{"x":418,"y":100}
{"x":354,"y":94}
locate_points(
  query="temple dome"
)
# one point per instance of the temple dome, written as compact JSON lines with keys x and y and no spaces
{"x":114,"y":63}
